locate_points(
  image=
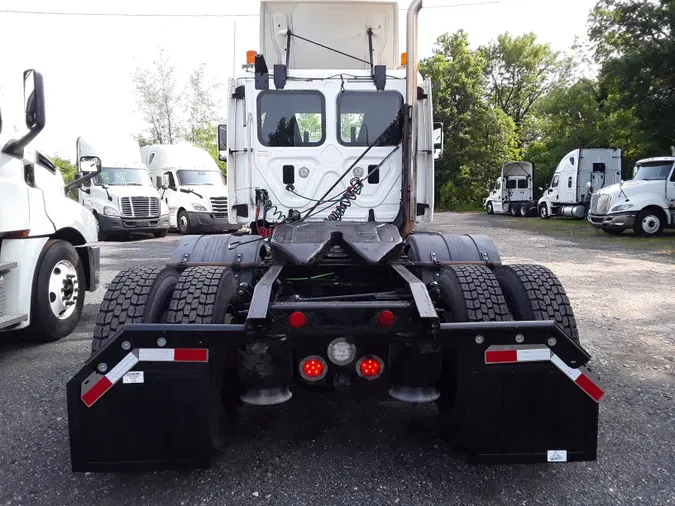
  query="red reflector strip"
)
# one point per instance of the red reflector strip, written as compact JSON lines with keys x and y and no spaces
{"x":191,"y":355}
{"x":593,"y":390}
{"x":500,"y":356}
{"x":96,"y":391}
{"x":582,"y":376}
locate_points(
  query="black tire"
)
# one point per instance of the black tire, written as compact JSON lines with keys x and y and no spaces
{"x":543,"y":212}
{"x":514,"y":210}
{"x":533,"y":292}
{"x":183,"y":224}
{"x":469,"y":293}
{"x":204,"y":295}
{"x":649,"y":222}
{"x":45,"y":325}
{"x":489,"y":208}
{"x":161,"y":233}
{"x":524,"y":210}
{"x":102,"y":236}
{"x":138,"y":295}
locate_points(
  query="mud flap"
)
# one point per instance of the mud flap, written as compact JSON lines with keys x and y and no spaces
{"x":524,"y":394}
{"x":143,"y":401}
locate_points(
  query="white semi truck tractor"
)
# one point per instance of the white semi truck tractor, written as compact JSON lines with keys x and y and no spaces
{"x":330,"y":148}
{"x":122,"y":197}
{"x":512,"y":192}
{"x":46,"y":263}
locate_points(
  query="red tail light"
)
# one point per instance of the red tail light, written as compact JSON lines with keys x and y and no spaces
{"x":370,"y":367}
{"x":313,"y":368}
{"x":385,"y":318}
{"x":297,"y":320}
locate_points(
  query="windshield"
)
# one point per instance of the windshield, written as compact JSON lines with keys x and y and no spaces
{"x":291,"y":118}
{"x":365,"y":115}
{"x":200,"y":177}
{"x":653,"y":171}
{"x":123,"y":177}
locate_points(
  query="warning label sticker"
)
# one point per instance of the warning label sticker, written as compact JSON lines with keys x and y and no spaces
{"x":135,"y":377}
{"x":557,"y":455}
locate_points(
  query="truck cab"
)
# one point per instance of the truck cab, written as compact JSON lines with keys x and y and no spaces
{"x":512,"y":192}
{"x":121,"y":196}
{"x":192,"y":186}
{"x":577,"y":176}
{"x":46,"y":262}
{"x":646,"y":204}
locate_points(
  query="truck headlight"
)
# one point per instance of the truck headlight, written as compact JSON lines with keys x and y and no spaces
{"x":110,"y":211}
{"x":198,"y":207}
{"x":622,"y":207}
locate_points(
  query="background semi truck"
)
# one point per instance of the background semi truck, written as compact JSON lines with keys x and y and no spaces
{"x":646,"y":204}
{"x":580,"y":173}
{"x":121,"y":197}
{"x":331,"y":155}
{"x":46,"y":264}
{"x":191,"y":185}
{"x":512,"y":192}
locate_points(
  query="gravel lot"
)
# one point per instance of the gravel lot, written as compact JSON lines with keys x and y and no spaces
{"x":338,"y":453}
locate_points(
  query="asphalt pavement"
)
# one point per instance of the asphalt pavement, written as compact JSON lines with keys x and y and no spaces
{"x":308,"y":451}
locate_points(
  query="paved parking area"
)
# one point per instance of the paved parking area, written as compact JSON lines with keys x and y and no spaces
{"x":309,"y":452}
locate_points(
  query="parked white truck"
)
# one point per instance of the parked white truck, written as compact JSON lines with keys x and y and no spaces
{"x":45,"y":262}
{"x":191,"y":184}
{"x":512,"y":192}
{"x":578,"y":175}
{"x":121,"y":197}
{"x":646,"y":204}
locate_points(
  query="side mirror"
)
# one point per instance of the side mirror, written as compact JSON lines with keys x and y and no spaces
{"x":90,"y":167}
{"x":34,"y":108}
{"x":222,"y":142}
{"x":437,"y":140}
{"x":166,"y":182}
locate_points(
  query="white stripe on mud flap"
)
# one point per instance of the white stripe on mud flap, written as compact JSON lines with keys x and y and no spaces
{"x":534,"y":355}
{"x":156,"y":354}
{"x":125,"y":365}
{"x":572,"y":374}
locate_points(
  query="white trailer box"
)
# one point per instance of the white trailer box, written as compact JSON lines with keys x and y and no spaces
{"x":121,"y":197}
{"x":580,"y":173}
{"x":347,"y":31}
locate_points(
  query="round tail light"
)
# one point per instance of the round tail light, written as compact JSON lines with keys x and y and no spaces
{"x":370,"y":367}
{"x":313,"y":368}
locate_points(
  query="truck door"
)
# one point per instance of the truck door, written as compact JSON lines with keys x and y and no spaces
{"x":567,"y":187}
{"x":171,"y":196}
{"x":498,"y":202}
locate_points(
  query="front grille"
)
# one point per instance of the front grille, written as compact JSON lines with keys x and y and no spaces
{"x":219,"y":205}
{"x":604,"y":201}
{"x":139,"y":207}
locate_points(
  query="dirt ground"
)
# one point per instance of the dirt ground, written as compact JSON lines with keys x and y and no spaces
{"x":306,"y":452}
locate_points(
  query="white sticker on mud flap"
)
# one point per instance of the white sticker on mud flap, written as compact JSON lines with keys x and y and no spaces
{"x":135,"y":377}
{"x":557,"y":455}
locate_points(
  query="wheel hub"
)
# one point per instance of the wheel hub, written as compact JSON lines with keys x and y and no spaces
{"x":183,"y":222}
{"x":64,"y":289}
{"x":651,"y":224}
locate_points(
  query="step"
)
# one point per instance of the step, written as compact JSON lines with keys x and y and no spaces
{"x":7,"y":266}
{"x":11,"y":319}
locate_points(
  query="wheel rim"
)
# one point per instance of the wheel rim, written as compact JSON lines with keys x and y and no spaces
{"x":489,"y":208}
{"x":64,"y":289}
{"x":651,"y":224}
{"x":542,"y":212}
{"x":183,"y":222}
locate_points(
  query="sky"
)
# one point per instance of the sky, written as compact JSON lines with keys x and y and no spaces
{"x":86,"y":61}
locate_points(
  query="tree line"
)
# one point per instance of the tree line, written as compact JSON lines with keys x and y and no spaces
{"x":515,"y":98}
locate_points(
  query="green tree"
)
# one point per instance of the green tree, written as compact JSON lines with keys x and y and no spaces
{"x":201,"y":106}
{"x":520,"y":72}
{"x":207,"y":139}
{"x":478,"y":138}
{"x":635,"y":47}
{"x":68,"y":171}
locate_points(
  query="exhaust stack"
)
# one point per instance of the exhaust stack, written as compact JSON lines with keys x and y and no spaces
{"x":409,"y":190}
